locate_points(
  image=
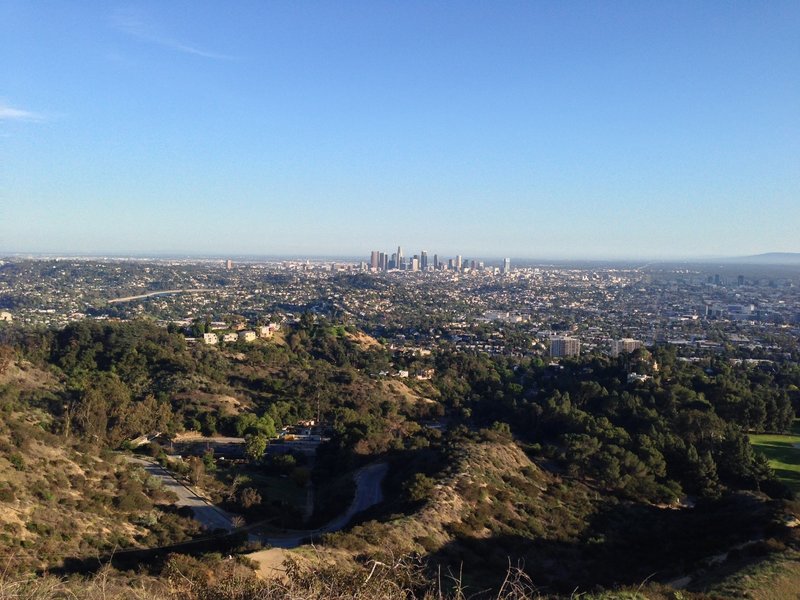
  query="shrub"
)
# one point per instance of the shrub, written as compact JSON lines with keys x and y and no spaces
{"x":420,"y":487}
{"x":7,"y":494}
{"x":17,"y":461}
{"x":249,"y":497}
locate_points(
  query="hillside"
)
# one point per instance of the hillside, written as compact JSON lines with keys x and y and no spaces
{"x":568,"y":473}
{"x":768,"y":258}
{"x":493,"y":506}
{"x":62,"y":497}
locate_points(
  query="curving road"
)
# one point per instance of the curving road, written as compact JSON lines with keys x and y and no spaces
{"x":368,"y":493}
{"x":208,"y":515}
{"x":368,"y":482}
{"x":161,"y":293}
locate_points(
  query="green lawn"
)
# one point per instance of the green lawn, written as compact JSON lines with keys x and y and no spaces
{"x":783,"y":452}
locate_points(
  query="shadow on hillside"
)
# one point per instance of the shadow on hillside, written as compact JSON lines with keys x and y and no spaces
{"x":623,"y":544}
{"x":150,"y":557}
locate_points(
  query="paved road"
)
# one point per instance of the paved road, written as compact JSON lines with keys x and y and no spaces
{"x":233,"y":447}
{"x":368,"y":493}
{"x":160,"y":293}
{"x":206,"y":513}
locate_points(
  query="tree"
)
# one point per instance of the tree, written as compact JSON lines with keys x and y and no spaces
{"x":249,"y":423}
{"x":255,"y":446}
{"x":196,"y":469}
{"x":249,"y":498}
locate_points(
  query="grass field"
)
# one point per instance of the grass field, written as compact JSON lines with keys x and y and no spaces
{"x":783,"y":452}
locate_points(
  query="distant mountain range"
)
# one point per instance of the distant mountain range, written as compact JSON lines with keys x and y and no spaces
{"x":770,"y":258}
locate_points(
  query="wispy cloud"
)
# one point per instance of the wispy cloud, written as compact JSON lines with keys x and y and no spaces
{"x":9,"y":113}
{"x":135,"y":25}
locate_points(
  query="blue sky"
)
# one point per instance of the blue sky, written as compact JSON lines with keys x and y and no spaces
{"x":525,"y":129}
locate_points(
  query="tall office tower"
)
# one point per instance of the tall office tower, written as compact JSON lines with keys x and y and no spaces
{"x":393,"y":262}
{"x":625,"y":345}
{"x":400,"y":260}
{"x":423,"y":262}
{"x":506,"y":266}
{"x":472,"y":265}
{"x":451,"y":264}
{"x":373,"y":261}
{"x":481,"y":265}
{"x":229,"y":264}
{"x":564,"y":346}
{"x":381,"y":260}
{"x":458,"y":262}
{"x":415,"y":263}
{"x":435,"y":262}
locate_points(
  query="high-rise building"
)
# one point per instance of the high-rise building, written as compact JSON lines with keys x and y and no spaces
{"x":459,"y":260}
{"x":506,"y":266}
{"x":229,"y":264}
{"x":400,"y":259}
{"x":625,"y":345}
{"x":423,"y":262}
{"x":393,"y":262}
{"x":435,"y":262}
{"x":374,"y":258}
{"x":415,"y":263}
{"x":564,"y":346}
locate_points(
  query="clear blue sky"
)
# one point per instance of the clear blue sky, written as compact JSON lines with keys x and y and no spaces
{"x":525,"y":129}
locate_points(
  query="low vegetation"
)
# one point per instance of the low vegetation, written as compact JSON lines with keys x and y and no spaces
{"x":566,"y":470}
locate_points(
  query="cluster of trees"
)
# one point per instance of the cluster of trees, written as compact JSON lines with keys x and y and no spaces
{"x":126,"y":379}
{"x":683,"y":431}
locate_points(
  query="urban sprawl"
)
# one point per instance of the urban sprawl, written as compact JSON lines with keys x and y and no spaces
{"x":418,"y":303}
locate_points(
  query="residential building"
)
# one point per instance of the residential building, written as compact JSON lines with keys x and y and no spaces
{"x":625,"y":345}
{"x":564,"y":346}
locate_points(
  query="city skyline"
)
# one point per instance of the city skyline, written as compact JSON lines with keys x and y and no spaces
{"x":576,"y":131}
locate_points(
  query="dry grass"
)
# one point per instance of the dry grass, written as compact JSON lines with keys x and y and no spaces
{"x":400,"y":392}
{"x":103,"y":586}
{"x":27,"y":377}
{"x":364,"y":341}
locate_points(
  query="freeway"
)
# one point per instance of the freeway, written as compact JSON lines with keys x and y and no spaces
{"x":160,"y":293}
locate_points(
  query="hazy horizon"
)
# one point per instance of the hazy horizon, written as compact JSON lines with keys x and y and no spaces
{"x":489,"y":258}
